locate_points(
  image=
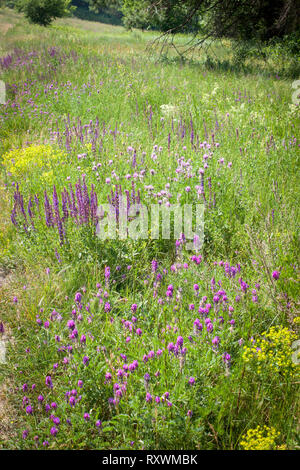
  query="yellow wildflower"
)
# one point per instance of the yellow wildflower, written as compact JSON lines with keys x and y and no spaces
{"x":272,"y":352}
{"x":21,"y":162}
{"x":261,"y":438}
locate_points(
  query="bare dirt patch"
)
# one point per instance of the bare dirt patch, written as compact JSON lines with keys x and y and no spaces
{"x":4,"y":27}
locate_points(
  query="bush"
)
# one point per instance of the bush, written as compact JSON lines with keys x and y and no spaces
{"x":43,"y":12}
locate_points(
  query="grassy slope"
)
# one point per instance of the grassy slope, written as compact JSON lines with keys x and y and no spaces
{"x":252,"y":120}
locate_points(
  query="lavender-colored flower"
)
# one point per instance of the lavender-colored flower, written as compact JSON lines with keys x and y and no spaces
{"x":48,"y":381}
{"x":192,"y":380}
{"x":83,"y":339}
{"x":276,"y":275}
{"x":226,"y":358}
{"x":29,"y":410}
{"x":54,"y":431}
{"x":86,"y":360}
{"x":107,"y":272}
{"x":154,"y":265}
{"x":216,"y":341}
{"x":72,"y":401}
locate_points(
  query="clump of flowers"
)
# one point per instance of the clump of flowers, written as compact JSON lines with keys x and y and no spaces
{"x":20,"y":162}
{"x":169,"y":110}
{"x":272,"y":351}
{"x":261,"y":438}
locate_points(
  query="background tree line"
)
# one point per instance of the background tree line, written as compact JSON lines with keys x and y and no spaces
{"x":259,"y":20}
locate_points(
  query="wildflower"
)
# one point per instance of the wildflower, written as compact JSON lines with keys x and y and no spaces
{"x":226,"y":358}
{"x":78,"y":297}
{"x":25,"y":433}
{"x":54,"y":431}
{"x":148,"y":397}
{"x":147,"y":377}
{"x":71,"y":324}
{"x":29,"y":410}
{"x":154,"y":265}
{"x":48,"y":381}
{"x":275,"y":275}
{"x":260,"y":438}
{"x":83,"y":339}
{"x":191,"y":380}
{"x":25,"y":401}
{"x":272,"y":352}
{"x":86,"y":360}
{"x":86,"y":416}
{"x":72,"y":401}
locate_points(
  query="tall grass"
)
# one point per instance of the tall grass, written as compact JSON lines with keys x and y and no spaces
{"x":112,"y":114}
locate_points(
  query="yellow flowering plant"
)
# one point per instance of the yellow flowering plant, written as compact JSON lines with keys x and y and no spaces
{"x":261,"y":438}
{"x":272,"y":352}
{"x":21,"y":162}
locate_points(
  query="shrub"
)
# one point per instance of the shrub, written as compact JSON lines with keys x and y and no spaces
{"x":43,"y":12}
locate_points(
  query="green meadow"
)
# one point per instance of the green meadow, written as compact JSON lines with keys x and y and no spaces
{"x":145,"y":343}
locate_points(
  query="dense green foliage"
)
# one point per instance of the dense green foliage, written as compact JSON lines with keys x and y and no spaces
{"x":240,"y":19}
